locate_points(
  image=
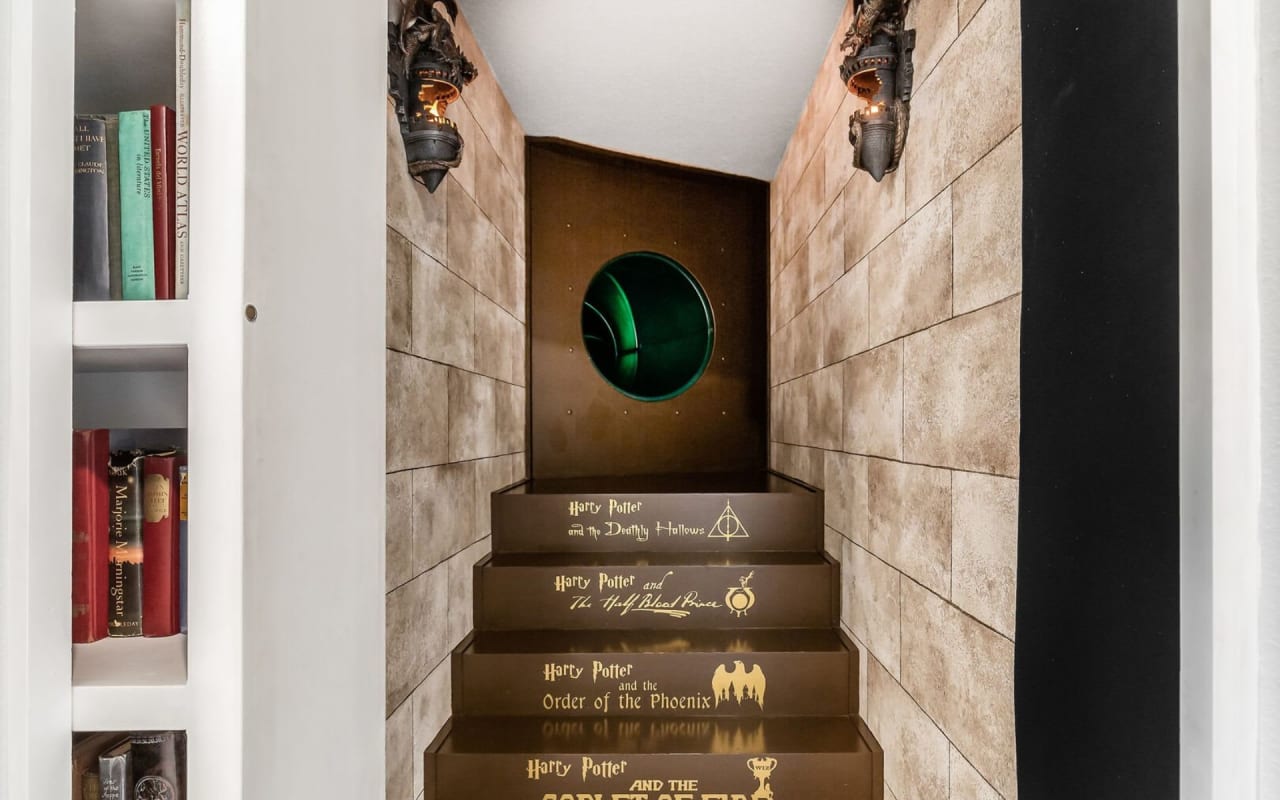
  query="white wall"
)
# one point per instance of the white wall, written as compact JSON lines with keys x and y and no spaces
{"x":1269,"y":300}
{"x":315,"y":257}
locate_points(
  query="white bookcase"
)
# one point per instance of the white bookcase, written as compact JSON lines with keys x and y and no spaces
{"x":280,"y":676}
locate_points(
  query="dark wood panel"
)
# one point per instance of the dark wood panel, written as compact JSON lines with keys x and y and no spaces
{"x":587,"y":207}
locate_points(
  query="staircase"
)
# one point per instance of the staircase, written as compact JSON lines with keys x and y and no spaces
{"x":656,"y":639}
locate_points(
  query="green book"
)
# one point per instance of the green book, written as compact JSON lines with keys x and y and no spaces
{"x":137,"y":236}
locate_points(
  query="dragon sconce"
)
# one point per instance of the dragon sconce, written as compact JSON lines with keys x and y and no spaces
{"x":878,"y":70}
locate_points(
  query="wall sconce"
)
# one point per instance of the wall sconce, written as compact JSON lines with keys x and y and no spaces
{"x":878,"y":70}
{"x":427,"y":71}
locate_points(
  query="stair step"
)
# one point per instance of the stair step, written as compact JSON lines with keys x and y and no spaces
{"x":719,"y":673}
{"x":699,"y":513}
{"x":517,"y":758}
{"x":663,"y":591}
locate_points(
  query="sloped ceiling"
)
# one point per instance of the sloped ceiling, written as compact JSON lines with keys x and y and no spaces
{"x":717,"y":84}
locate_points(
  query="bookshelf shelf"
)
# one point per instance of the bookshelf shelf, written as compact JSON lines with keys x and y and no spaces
{"x":130,"y":708}
{"x":132,"y":336}
{"x":130,"y":662}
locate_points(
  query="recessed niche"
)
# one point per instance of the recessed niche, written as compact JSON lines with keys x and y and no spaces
{"x":647,"y":326}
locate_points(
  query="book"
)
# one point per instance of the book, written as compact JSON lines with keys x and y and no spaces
{"x":182,"y":548}
{"x":160,"y":546}
{"x":90,"y":247}
{"x":157,"y":766}
{"x":124,"y":574}
{"x":90,"y":454}
{"x":115,"y":773}
{"x":163,"y":126}
{"x":86,"y":783}
{"x":112,"y":122}
{"x":182,"y":160}
{"x":137,"y":237}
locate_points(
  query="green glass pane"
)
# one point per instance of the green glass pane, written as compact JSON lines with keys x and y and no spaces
{"x":647,"y":326}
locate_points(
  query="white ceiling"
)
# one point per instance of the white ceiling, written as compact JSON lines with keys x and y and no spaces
{"x":718,"y":84}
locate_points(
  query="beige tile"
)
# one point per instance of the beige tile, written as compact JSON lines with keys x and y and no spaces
{"x":987,"y":204}
{"x":465,"y":173}
{"x":967,"y":9}
{"x":836,"y":148}
{"x":961,"y":672}
{"x":399,"y":291}
{"x":970,"y":103}
{"x":498,"y":199}
{"x":472,"y":416}
{"x":473,"y":242}
{"x":826,"y":251}
{"x":961,"y":391}
{"x":864,"y":670}
{"x":823,"y":393}
{"x":412,"y":211}
{"x":444,"y":521}
{"x":461,"y":588}
{"x":399,"y":529}
{"x":510,"y":412}
{"x":845,"y":494}
{"x":966,"y":782}
{"x":400,"y":756}
{"x":443,"y":314}
{"x":910,"y":278}
{"x":833,"y":542}
{"x":520,"y":282}
{"x":415,"y":639}
{"x":871,"y":604}
{"x":802,"y":463}
{"x":873,"y":402}
{"x":494,"y":340}
{"x":915,"y":751}
{"x":804,"y":208}
{"x":984,"y":554}
{"x":910,"y":520}
{"x":805,"y":341}
{"x":431,"y":705}
{"x":417,"y":412}
{"x":843,"y":311}
{"x":492,"y":474}
{"x":793,"y":284}
{"x":872,"y":211}
{"x":936,"y":26}
{"x":776,"y":259}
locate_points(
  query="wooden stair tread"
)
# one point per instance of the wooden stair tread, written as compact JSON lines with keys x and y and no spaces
{"x":755,"y":640}
{"x":708,"y":483}
{"x":658,"y":559}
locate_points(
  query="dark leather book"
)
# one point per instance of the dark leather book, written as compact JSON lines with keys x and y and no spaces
{"x":86,"y":782}
{"x":163,"y":197}
{"x":157,"y":766}
{"x":124,"y":573}
{"x":115,"y":773}
{"x":160,"y":545}
{"x":91,"y":254}
{"x":113,"y":202}
{"x":90,"y":454}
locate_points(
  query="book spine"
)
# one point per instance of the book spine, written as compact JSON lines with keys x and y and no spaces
{"x":89,"y":529}
{"x":182,"y":548}
{"x":90,"y":247}
{"x":113,"y":202}
{"x":182,"y":149}
{"x":137,"y":237}
{"x":115,"y":775}
{"x":124,"y":576}
{"x":160,"y":545}
{"x":156,"y":768}
{"x":90,"y":786}
{"x":163,"y":126}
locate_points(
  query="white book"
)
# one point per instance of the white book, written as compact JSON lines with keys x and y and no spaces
{"x":182,"y":155}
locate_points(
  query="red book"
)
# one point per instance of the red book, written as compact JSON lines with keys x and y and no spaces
{"x":164,"y":127}
{"x":160,"y":551}
{"x":90,"y":504}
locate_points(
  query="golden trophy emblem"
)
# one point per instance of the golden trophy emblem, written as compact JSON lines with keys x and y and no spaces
{"x":740,"y":598}
{"x":762,"y":768}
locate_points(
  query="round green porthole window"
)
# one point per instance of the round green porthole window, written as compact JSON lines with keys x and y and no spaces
{"x":647,"y":326}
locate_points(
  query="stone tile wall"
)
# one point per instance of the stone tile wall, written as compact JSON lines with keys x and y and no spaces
{"x":455,"y":400}
{"x":894,"y":372}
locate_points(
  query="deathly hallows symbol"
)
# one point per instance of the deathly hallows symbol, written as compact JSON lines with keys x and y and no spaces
{"x":728,"y":526}
{"x":738,"y":684}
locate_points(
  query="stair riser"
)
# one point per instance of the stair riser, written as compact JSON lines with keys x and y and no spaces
{"x":592,"y":523}
{"x":657,"y":684}
{"x":741,"y":776}
{"x":655,"y":597}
